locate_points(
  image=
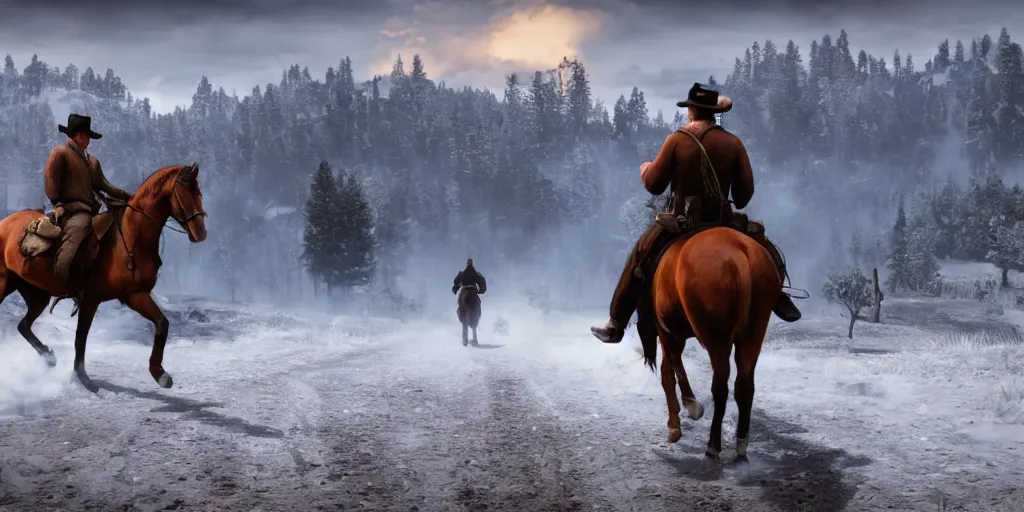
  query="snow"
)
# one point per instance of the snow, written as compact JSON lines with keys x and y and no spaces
{"x":929,"y":412}
{"x":940,"y":79}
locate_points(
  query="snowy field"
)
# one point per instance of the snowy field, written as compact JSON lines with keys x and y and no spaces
{"x":304,"y":411}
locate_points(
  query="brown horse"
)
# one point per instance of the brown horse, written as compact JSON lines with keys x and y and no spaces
{"x":469,"y":312}
{"x":718,"y":286}
{"x":125,"y":266}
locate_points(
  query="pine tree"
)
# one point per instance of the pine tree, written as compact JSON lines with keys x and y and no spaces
{"x":579,"y":97}
{"x":899,"y":258}
{"x":354,"y":264}
{"x":321,"y":242}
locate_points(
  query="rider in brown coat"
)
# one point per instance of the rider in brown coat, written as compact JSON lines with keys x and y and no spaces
{"x":72,"y":178}
{"x":679,"y":164}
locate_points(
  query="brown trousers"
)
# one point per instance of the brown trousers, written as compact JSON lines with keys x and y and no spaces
{"x":75,"y":228}
{"x":627,"y":294}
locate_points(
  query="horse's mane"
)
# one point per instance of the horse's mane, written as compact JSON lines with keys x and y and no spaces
{"x":158,"y":180}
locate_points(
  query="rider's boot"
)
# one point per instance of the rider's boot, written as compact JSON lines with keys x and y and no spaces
{"x":624,"y":303}
{"x":631,"y":285}
{"x":784,"y":307}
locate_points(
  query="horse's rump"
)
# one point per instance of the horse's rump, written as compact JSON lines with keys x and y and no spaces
{"x":468,"y":305}
{"x":713,"y":274}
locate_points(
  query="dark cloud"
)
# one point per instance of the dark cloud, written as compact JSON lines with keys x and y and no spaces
{"x":161,"y":12}
{"x":161,"y":49}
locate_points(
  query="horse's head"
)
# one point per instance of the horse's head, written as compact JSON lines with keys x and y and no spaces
{"x":187,"y":203}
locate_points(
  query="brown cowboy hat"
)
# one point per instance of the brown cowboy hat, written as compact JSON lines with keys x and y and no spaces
{"x":700,"y":97}
{"x":78,"y":124}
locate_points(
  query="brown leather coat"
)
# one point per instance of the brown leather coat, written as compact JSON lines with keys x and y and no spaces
{"x":72,"y":180}
{"x":678,"y":165}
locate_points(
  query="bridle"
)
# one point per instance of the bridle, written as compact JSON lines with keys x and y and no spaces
{"x":183,"y":222}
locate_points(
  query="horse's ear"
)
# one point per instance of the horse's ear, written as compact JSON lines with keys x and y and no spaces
{"x":189,"y":173}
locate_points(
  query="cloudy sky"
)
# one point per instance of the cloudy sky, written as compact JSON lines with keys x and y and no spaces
{"x":162,"y":48}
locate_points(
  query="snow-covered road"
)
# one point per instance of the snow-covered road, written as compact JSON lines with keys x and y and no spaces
{"x":292,"y":412}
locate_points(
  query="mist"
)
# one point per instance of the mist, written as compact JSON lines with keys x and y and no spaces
{"x":351,"y":159}
{"x":537,"y":183}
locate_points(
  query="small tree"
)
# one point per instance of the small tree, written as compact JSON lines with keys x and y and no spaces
{"x":321,"y":243}
{"x":355,"y":261}
{"x":851,"y":288}
{"x":899,"y":259}
{"x":911,"y":262}
{"x":1007,"y":236}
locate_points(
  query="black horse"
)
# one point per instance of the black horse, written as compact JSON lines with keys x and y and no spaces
{"x":469,"y":284}
{"x":469,"y":311}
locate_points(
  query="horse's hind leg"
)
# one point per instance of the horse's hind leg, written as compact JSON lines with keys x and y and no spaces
{"x":694,"y":409}
{"x":748,"y":349}
{"x":86,"y":314}
{"x":720,"y":368}
{"x":668,"y":384}
{"x":465,"y":334}
{"x":36,"y":300}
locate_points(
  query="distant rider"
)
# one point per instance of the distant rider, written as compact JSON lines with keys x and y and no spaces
{"x":469,"y":277}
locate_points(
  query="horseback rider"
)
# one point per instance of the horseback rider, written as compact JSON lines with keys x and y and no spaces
{"x":470,"y":277}
{"x":73,"y":177}
{"x":679,"y":164}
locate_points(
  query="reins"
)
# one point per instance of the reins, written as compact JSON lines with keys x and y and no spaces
{"x":119,"y":219}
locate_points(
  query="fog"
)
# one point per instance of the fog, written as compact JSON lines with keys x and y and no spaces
{"x":537,"y":183}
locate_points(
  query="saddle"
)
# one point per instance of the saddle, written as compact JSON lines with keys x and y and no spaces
{"x":684,"y":221}
{"x":42,"y":235}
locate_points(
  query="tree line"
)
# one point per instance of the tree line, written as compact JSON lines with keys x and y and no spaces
{"x":511,"y":175}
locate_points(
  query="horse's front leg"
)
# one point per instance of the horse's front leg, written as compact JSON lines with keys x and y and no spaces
{"x":143,"y":304}
{"x":86,"y":313}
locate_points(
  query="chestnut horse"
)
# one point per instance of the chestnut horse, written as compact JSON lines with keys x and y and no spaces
{"x":718,"y":286}
{"x":125,"y":267}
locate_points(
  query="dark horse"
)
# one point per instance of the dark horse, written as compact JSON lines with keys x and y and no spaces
{"x":718,"y":286}
{"x":125,"y":265}
{"x":469,"y":311}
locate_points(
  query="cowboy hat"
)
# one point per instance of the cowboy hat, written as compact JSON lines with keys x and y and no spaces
{"x":78,"y":124}
{"x":700,"y":97}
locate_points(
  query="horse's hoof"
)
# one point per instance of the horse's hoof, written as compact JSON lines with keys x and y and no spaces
{"x":49,"y":357}
{"x":86,"y":381}
{"x":165,"y":381}
{"x":711,"y":463}
{"x":741,"y":448}
{"x":711,"y":455}
{"x":741,"y":459}
{"x":674,"y":434}
{"x":694,"y":409}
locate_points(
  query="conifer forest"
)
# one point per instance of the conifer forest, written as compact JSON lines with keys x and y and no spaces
{"x":314,"y":333}
{"x":349,"y":182}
